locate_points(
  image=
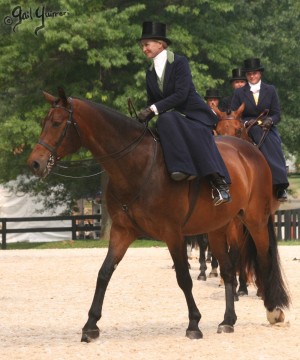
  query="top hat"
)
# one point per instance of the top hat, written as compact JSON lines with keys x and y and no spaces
{"x":238,"y":74}
{"x":252,"y":64}
{"x":154,"y":30}
{"x":212,"y":94}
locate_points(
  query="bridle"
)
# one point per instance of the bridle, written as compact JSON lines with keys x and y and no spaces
{"x":238,"y":131}
{"x":70,"y":122}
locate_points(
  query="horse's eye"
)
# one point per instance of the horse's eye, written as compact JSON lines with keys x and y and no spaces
{"x":56,"y":124}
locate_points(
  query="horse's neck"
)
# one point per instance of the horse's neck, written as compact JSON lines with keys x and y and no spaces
{"x":116,"y":142}
{"x":103,"y":131}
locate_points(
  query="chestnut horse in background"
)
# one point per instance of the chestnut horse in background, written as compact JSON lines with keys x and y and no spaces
{"x":143,"y":199}
{"x":230,"y":123}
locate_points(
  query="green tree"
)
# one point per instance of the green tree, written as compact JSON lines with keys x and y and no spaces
{"x":91,"y":50}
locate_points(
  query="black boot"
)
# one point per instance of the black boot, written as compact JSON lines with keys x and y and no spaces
{"x":281,"y":193}
{"x":220,"y":189}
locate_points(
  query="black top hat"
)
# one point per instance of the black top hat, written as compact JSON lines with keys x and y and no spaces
{"x":253,"y":64}
{"x":238,"y":74}
{"x":212,"y":93}
{"x":154,"y":30}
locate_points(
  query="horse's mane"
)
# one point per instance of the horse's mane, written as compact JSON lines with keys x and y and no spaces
{"x":110,"y":112}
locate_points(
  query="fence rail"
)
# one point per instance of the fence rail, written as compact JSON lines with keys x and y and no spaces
{"x":287,"y":225}
{"x":76,"y":225}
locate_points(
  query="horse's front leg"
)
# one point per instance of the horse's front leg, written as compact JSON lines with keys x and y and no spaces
{"x":119,"y":243}
{"x":179,"y":255}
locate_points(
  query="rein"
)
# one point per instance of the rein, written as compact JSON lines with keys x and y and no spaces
{"x":259,"y":121}
{"x":119,"y":154}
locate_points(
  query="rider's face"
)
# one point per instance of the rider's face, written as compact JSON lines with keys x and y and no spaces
{"x":253,"y":77}
{"x":151,"y":48}
{"x":236,"y":84}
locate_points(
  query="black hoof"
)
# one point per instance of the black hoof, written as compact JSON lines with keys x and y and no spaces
{"x":235,"y":297}
{"x":225,"y":329}
{"x":89,"y":335}
{"x":242,"y":292}
{"x":194,"y":335}
{"x":201,"y":277}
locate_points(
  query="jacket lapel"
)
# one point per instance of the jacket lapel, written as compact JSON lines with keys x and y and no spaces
{"x":152,"y":80}
{"x":168,"y":69}
{"x":262,"y":92}
{"x":249,"y":94}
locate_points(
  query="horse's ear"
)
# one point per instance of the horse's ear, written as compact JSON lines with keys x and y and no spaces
{"x":62,"y":95}
{"x":242,"y":107}
{"x":48,"y":97}
{"x":216,"y":110}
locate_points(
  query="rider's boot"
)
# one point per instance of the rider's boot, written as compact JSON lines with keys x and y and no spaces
{"x":220,"y":189}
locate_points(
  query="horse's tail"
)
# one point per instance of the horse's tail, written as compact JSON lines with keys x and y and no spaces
{"x":269,"y":281}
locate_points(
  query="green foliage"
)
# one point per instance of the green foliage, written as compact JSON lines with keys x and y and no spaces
{"x":92,"y":51}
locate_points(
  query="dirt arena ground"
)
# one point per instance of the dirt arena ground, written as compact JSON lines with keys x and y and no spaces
{"x":45,"y":296}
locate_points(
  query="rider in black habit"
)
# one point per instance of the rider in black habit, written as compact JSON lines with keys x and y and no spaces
{"x":185,"y":122}
{"x":237,"y":81}
{"x":259,"y":96}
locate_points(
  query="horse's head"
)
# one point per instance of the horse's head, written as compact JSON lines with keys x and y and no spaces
{"x":230,"y":122}
{"x":59,"y":136}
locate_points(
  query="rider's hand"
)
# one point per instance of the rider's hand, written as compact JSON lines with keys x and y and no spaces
{"x":267,"y":123}
{"x":249,"y":123}
{"x":145,"y":115}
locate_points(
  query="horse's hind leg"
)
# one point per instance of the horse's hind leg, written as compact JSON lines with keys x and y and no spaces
{"x":119,"y":243}
{"x":268,"y":273}
{"x":202,"y":242}
{"x":184,"y":280}
{"x":218,"y":243}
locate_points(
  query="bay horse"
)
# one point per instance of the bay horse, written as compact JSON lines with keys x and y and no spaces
{"x":143,"y":199}
{"x":230,"y":124}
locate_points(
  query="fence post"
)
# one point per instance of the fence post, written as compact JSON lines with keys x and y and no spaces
{"x":73,"y":229}
{"x":3,"y":231}
{"x":287,"y":224}
{"x":279,"y":224}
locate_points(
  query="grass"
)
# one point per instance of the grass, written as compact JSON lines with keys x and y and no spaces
{"x":79,"y":244}
{"x":86,"y":244}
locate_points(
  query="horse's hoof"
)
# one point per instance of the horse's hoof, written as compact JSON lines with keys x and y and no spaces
{"x":193,"y":334}
{"x":201,"y":277}
{"x":242,"y":293}
{"x":236,"y":298}
{"x":212,"y":275}
{"x":89,"y":335}
{"x":225,"y":329}
{"x":275,"y":316}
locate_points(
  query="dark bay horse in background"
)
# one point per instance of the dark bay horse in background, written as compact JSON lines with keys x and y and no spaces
{"x":143,"y":199}
{"x":230,"y":124}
